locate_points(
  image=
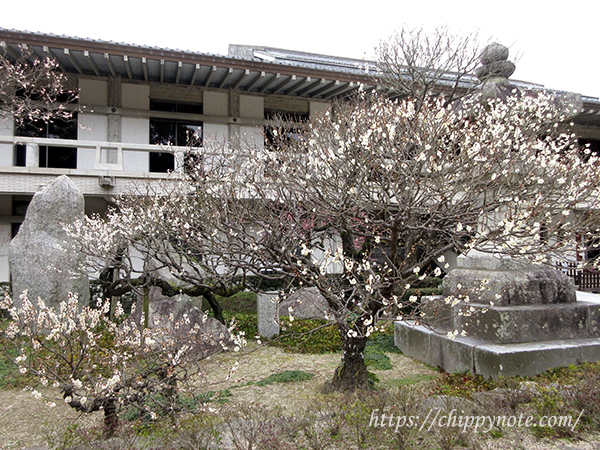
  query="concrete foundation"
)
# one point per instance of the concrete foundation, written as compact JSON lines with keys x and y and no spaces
{"x":467,"y":354}
{"x":528,"y":320}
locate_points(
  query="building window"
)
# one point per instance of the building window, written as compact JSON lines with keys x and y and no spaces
{"x":50,"y":155}
{"x":589,"y":147}
{"x":290,"y":130}
{"x":173,"y":132}
{"x":19,"y":209}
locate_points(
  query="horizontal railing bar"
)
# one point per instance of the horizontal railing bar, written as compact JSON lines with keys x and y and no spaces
{"x":73,"y":143}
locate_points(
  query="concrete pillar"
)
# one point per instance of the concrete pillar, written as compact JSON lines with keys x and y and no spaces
{"x":267,"y":305}
{"x":32,"y":155}
{"x":114,"y":120}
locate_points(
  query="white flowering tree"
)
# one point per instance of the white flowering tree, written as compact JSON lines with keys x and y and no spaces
{"x":101,"y":365}
{"x":33,"y":89}
{"x":419,"y":63}
{"x":147,"y":240}
{"x":383,"y":189}
{"x":368,"y":199}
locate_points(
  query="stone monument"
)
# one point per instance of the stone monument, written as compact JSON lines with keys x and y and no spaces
{"x":41,"y":259}
{"x":524,"y":320}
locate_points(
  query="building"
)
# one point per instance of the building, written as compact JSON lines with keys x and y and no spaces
{"x":138,"y":106}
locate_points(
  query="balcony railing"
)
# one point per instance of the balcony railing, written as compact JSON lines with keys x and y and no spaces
{"x":108,"y":155}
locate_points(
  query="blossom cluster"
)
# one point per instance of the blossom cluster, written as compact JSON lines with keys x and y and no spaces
{"x":98,"y":363}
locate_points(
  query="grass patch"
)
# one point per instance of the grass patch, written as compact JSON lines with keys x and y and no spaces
{"x":287,"y":376}
{"x":308,"y":336}
{"x":243,"y":302}
{"x":10,"y":377}
{"x":207,"y":397}
{"x":377,"y":360}
{"x":412,"y":380}
{"x":462,"y":384}
{"x":9,"y":372}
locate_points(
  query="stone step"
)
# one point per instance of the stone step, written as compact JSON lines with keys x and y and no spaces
{"x":469,"y":354}
{"x":516,"y":323}
{"x":531,"y":323}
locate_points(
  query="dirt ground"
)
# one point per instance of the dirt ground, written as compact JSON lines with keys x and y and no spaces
{"x":26,"y":421}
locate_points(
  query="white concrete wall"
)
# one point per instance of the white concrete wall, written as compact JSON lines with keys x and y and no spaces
{"x":92,"y":127}
{"x":318,"y":107}
{"x":6,"y":150}
{"x":252,"y":107}
{"x":93,"y":93}
{"x":135,"y":96}
{"x":134,"y":129}
{"x":216,"y":104}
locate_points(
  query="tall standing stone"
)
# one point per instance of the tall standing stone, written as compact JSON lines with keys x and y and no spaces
{"x":41,"y":259}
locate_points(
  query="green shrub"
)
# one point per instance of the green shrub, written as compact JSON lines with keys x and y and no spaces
{"x":242,"y":302}
{"x":377,"y":360}
{"x":287,"y":376}
{"x":308,"y":336}
{"x":246,"y":322}
{"x":383,"y":342}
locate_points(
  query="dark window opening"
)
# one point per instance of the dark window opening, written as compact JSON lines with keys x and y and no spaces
{"x":593,"y":145}
{"x":49,"y":156}
{"x":188,"y":108}
{"x":173,"y":132}
{"x":162,"y":162}
{"x":290,"y":130}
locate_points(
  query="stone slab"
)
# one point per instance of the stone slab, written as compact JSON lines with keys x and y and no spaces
{"x":267,"y":305}
{"x":413,"y":340}
{"x":453,"y":355}
{"x":510,"y":287}
{"x":494,"y":361}
{"x":527,"y":323}
{"x":491,"y":360}
{"x":437,"y":313}
{"x":590,"y":352}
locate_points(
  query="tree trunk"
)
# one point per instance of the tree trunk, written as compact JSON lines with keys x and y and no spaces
{"x":352,"y":373}
{"x":111,"y":420}
{"x":216,"y":307}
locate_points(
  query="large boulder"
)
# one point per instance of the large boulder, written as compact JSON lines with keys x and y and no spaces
{"x":305,"y":303}
{"x":41,"y":259}
{"x":179,"y":314}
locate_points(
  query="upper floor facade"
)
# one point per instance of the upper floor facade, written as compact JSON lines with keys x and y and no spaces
{"x":139,"y":108}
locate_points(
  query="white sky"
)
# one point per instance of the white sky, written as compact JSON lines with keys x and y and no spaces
{"x":555,"y":42}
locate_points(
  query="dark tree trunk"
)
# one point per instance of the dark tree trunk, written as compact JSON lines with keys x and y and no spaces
{"x":216,"y":307}
{"x":192,"y":291}
{"x":111,"y":420}
{"x":352,"y":373}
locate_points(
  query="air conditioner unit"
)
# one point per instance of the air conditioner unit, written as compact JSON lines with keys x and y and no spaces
{"x":107,"y":181}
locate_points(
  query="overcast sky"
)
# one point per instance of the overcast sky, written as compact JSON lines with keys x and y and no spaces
{"x":556,"y":46}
